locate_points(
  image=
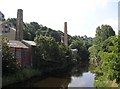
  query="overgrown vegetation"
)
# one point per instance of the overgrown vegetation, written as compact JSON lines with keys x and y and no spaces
{"x":104,"y":56}
{"x":20,"y":76}
{"x":50,"y":56}
{"x":9,"y":63}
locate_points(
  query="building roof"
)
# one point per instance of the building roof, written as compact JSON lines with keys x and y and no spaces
{"x":30,"y":42}
{"x":12,"y":28}
{"x":16,"y":44}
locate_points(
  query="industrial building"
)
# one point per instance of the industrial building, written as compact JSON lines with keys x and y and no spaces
{"x":22,"y":49}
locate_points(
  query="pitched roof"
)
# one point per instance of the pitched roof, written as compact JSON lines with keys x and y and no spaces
{"x":30,"y":42}
{"x":16,"y":44}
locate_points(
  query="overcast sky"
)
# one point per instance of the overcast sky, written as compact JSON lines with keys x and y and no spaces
{"x":82,"y":16}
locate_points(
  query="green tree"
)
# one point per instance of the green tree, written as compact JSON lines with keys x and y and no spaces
{"x":87,"y":41}
{"x":102,"y":33}
{"x":35,"y":25}
{"x":29,"y":30}
{"x":82,"y":50}
{"x":104,"y":54}
{"x":12,"y":22}
{"x":94,"y":59}
{"x":50,"y":56}
{"x":111,"y":59}
{"x":9,"y":64}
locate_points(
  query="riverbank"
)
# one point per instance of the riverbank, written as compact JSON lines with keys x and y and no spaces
{"x":20,"y":76}
{"x":27,"y":76}
{"x":67,"y":78}
{"x":106,"y":83}
{"x":23,"y":81}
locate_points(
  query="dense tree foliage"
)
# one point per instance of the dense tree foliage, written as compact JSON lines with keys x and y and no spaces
{"x":50,"y":56}
{"x":83,"y":53}
{"x":110,"y":58}
{"x":104,"y":55}
{"x":9,"y":64}
{"x":87,"y":41}
{"x":12,"y":22}
{"x":102,"y":33}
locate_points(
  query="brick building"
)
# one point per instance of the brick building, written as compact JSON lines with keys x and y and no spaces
{"x":22,"y":49}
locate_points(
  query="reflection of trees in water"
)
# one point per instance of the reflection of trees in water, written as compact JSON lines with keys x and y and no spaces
{"x":53,"y":82}
{"x":80,"y":69}
{"x":76,"y":71}
{"x":62,"y":81}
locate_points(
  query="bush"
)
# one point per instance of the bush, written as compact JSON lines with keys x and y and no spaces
{"x":21,"y":75}
{"x":9,"y":65}
{"x":50,"y":56}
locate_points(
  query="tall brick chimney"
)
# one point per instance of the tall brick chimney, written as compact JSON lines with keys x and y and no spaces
{"x":65,"y":34}
{"x":19,"y":30}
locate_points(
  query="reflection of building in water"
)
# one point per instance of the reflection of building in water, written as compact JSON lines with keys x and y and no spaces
{"x":22,"y":49}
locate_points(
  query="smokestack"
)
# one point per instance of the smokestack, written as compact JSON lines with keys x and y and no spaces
{"x":65,"y":34}
{"x":19,"y":31}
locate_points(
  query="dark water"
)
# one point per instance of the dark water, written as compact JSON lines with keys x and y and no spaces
{"x":80,"y":76}
{"x":86,"y":80}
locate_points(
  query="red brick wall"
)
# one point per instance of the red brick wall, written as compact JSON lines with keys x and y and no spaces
{"x":23,"y":56}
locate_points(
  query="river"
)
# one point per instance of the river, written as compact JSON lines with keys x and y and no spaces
{"x":79,"y":77}
{"x":86,"y":80}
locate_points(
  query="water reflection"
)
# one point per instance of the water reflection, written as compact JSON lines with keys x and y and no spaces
{"x":80,"y":76}
{"x":86,"y":80}
{"x":53,"y":82}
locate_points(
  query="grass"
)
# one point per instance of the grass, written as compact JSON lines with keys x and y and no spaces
{"x":20,"y":76}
